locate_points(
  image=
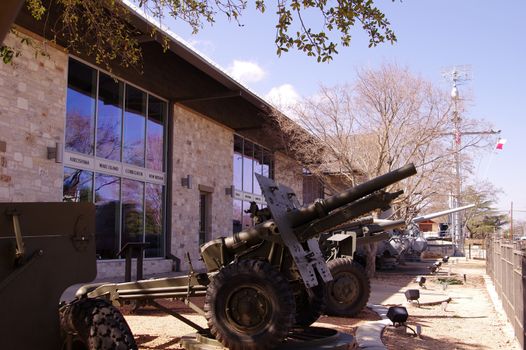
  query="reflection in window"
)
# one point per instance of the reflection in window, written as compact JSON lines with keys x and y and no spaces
{"x":78,"y":185}
{"x":248,"y":170}
{"x":258,"y":159}
{"x":154,"y":220}
{"x":134,"y":126}
{"x":237,"y":216}
{"x":238,"y":163}
{"x":107,"y":205}
{"x":80,"y":108}
{"x":132,"y":211}
{"x":249,"y":159}
{"x":267,"y":166}
{"x":246,"y":220}
{"x":109,"y":118}
{"x":155,"y":134}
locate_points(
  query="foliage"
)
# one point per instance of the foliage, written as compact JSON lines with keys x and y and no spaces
{"x":8,"y":53}
{"x":295,"y":19}
{"x":484,"y":219}
{"x":389,"y":117}
{"x":101,"y":28}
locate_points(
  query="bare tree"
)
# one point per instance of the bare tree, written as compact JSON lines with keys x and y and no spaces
{"x":389,"y":117}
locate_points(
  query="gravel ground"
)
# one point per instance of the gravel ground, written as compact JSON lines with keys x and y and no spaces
{"x":155,"y":330}
{"x":469,"y":322}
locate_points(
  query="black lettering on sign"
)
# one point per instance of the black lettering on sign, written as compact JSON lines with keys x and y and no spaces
{"x":134,"y":172}
{"x":156,"y":177}
{"x":80,"y":161}
{"x":109,"y":167}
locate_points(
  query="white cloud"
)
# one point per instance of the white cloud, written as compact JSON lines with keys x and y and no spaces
{"x":203,"y":46}
{"x":283,"y":96}
{"x":246,"y":71}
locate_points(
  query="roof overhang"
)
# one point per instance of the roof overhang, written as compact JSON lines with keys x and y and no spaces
{"x":186,"y":78}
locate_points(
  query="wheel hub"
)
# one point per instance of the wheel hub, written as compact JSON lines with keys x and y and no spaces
{"x":345,"y":288}
{"x":248,"y":308}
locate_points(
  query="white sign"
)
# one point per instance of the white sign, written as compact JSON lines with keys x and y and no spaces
{"x":78,"y":161}
{"x":109,"y":167}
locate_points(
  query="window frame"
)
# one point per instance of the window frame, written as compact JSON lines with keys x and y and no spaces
{"x":122,"y":175}
{"x":239,"y":194}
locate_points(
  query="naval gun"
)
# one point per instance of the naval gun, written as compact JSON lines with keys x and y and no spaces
{"x":262,"y":282}
{"x":410,"y":243}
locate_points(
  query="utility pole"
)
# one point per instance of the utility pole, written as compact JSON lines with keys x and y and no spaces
{"x":457,"y":76}
{"x":511,"y":221}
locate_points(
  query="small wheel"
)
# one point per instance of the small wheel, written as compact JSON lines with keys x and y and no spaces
{"x":249,"y":305}
{"x":349,"y":290}
{"x":310,"y":306}
{"x":96,"y":325}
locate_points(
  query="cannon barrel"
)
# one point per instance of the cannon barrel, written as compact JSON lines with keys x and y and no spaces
{"x":323,"y":207}
{"x":392,"y":224}
{"x":440,"y":213}
{"x":379,"y":225}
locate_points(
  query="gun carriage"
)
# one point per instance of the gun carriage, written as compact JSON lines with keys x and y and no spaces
{"x":265,"y":280}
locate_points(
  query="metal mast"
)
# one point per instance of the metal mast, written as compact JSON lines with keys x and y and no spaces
{"x":457,"y":76}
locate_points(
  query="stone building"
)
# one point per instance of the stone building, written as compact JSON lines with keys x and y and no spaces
{"x":168,"y":156}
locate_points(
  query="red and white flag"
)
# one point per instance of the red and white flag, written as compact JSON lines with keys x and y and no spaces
{"x":500,"y":144}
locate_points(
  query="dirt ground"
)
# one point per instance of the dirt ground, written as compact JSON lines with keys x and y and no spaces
{"x":155,"y":330}
{"x":468,"y":322}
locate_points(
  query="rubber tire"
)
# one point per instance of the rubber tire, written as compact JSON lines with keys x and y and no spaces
{"x":98,"y":325}
{"x":249,"y":275}
{"x":339,"y":268}
{"x":310,"y":307}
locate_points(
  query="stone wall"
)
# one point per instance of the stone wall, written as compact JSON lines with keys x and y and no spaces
{"x":32,"y":118}
{"x":289,"y":172}
{"x":202,"y":149}
{"x":115,"y":268}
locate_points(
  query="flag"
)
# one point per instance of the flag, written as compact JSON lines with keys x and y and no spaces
{"x":458,"y":137}
{"x":500,"y":144}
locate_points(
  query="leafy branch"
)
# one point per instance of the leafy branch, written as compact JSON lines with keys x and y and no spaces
{"x":101,"y":28}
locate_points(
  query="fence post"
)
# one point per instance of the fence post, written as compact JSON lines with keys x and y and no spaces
{"x":522,"y":336}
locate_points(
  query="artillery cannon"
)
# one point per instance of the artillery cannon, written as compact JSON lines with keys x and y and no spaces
{"x":348,"y":292}
{"x":267,"y":279}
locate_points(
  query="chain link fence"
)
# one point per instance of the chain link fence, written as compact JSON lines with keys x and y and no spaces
{"x":506,"y":265}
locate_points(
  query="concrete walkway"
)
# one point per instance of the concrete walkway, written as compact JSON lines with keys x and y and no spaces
{"x":369,"y":335}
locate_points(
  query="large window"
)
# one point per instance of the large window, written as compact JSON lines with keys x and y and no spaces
{"x":249,"y":159}
{"x":115,"y":157}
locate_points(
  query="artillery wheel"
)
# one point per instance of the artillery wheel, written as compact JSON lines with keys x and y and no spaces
{"x":249,"y":305}
{"x":309,"y":307}
{"x":96,"y":325}
{"x":350,"y":288}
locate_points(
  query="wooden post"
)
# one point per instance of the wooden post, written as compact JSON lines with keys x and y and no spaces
{"x":522,"y":337}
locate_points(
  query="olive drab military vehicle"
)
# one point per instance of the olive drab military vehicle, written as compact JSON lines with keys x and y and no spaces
{"x":45,"y":248}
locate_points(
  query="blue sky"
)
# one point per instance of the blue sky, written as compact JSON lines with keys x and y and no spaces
{"x":433,"y":36}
